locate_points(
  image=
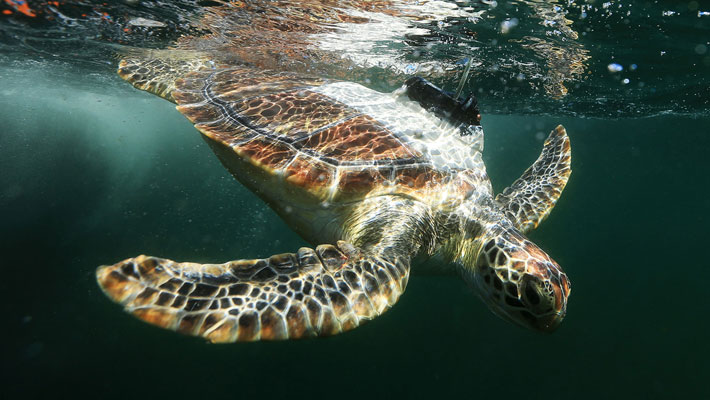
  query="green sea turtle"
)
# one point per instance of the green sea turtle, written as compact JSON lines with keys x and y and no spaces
{"x":382,"y":181}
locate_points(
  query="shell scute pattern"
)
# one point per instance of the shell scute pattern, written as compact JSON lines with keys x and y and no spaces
{"x":289,"y":126}
{"x":305,"y":171}
{"x":274,"y":155}
{"x":357,"y":180}
{"x":279,"y":113}
{"x":360,"y":138}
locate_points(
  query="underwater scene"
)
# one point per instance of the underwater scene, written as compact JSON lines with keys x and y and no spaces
{"x":355,"y":128}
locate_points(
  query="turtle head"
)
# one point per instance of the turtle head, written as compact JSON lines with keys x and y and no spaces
{"x":519,"y":282}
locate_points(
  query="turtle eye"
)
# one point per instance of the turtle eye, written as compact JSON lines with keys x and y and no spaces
{"x":531,"y":296}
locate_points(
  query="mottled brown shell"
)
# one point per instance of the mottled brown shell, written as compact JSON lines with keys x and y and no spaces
{"x":278,"y":127}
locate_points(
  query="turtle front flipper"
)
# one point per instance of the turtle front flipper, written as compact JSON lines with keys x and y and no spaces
{"x":531,"y":197}
{"x":287,"y":296}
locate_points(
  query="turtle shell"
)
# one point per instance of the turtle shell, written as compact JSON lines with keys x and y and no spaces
{"x":317,"y":140}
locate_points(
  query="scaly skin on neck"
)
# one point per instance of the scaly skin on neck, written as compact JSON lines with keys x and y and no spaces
{"x":394,"y":226}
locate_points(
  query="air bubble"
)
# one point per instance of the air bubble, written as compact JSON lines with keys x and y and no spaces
{"x":507,"y":25}
{"x":614,"y":67}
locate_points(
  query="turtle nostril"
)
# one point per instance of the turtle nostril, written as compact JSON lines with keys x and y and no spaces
{"x":532,"y":295}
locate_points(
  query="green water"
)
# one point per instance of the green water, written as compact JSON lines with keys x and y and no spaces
{"x":94,"y":171}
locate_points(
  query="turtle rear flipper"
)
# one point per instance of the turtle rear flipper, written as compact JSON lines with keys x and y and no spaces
{"x":287,"y":296}
{"x":531,"y":197}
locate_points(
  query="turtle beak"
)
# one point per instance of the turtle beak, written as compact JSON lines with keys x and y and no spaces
{"x":546,"y":301}
{"x":548,"y":323}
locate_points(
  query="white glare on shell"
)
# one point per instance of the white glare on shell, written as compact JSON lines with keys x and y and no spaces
{"x":625,"y":81}
{"x":614,"y":67}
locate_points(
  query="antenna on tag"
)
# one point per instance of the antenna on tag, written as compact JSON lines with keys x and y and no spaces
{"x":464,"y":77}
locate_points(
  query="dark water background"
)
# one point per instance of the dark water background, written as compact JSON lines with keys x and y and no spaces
{"x":93,"y":171}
